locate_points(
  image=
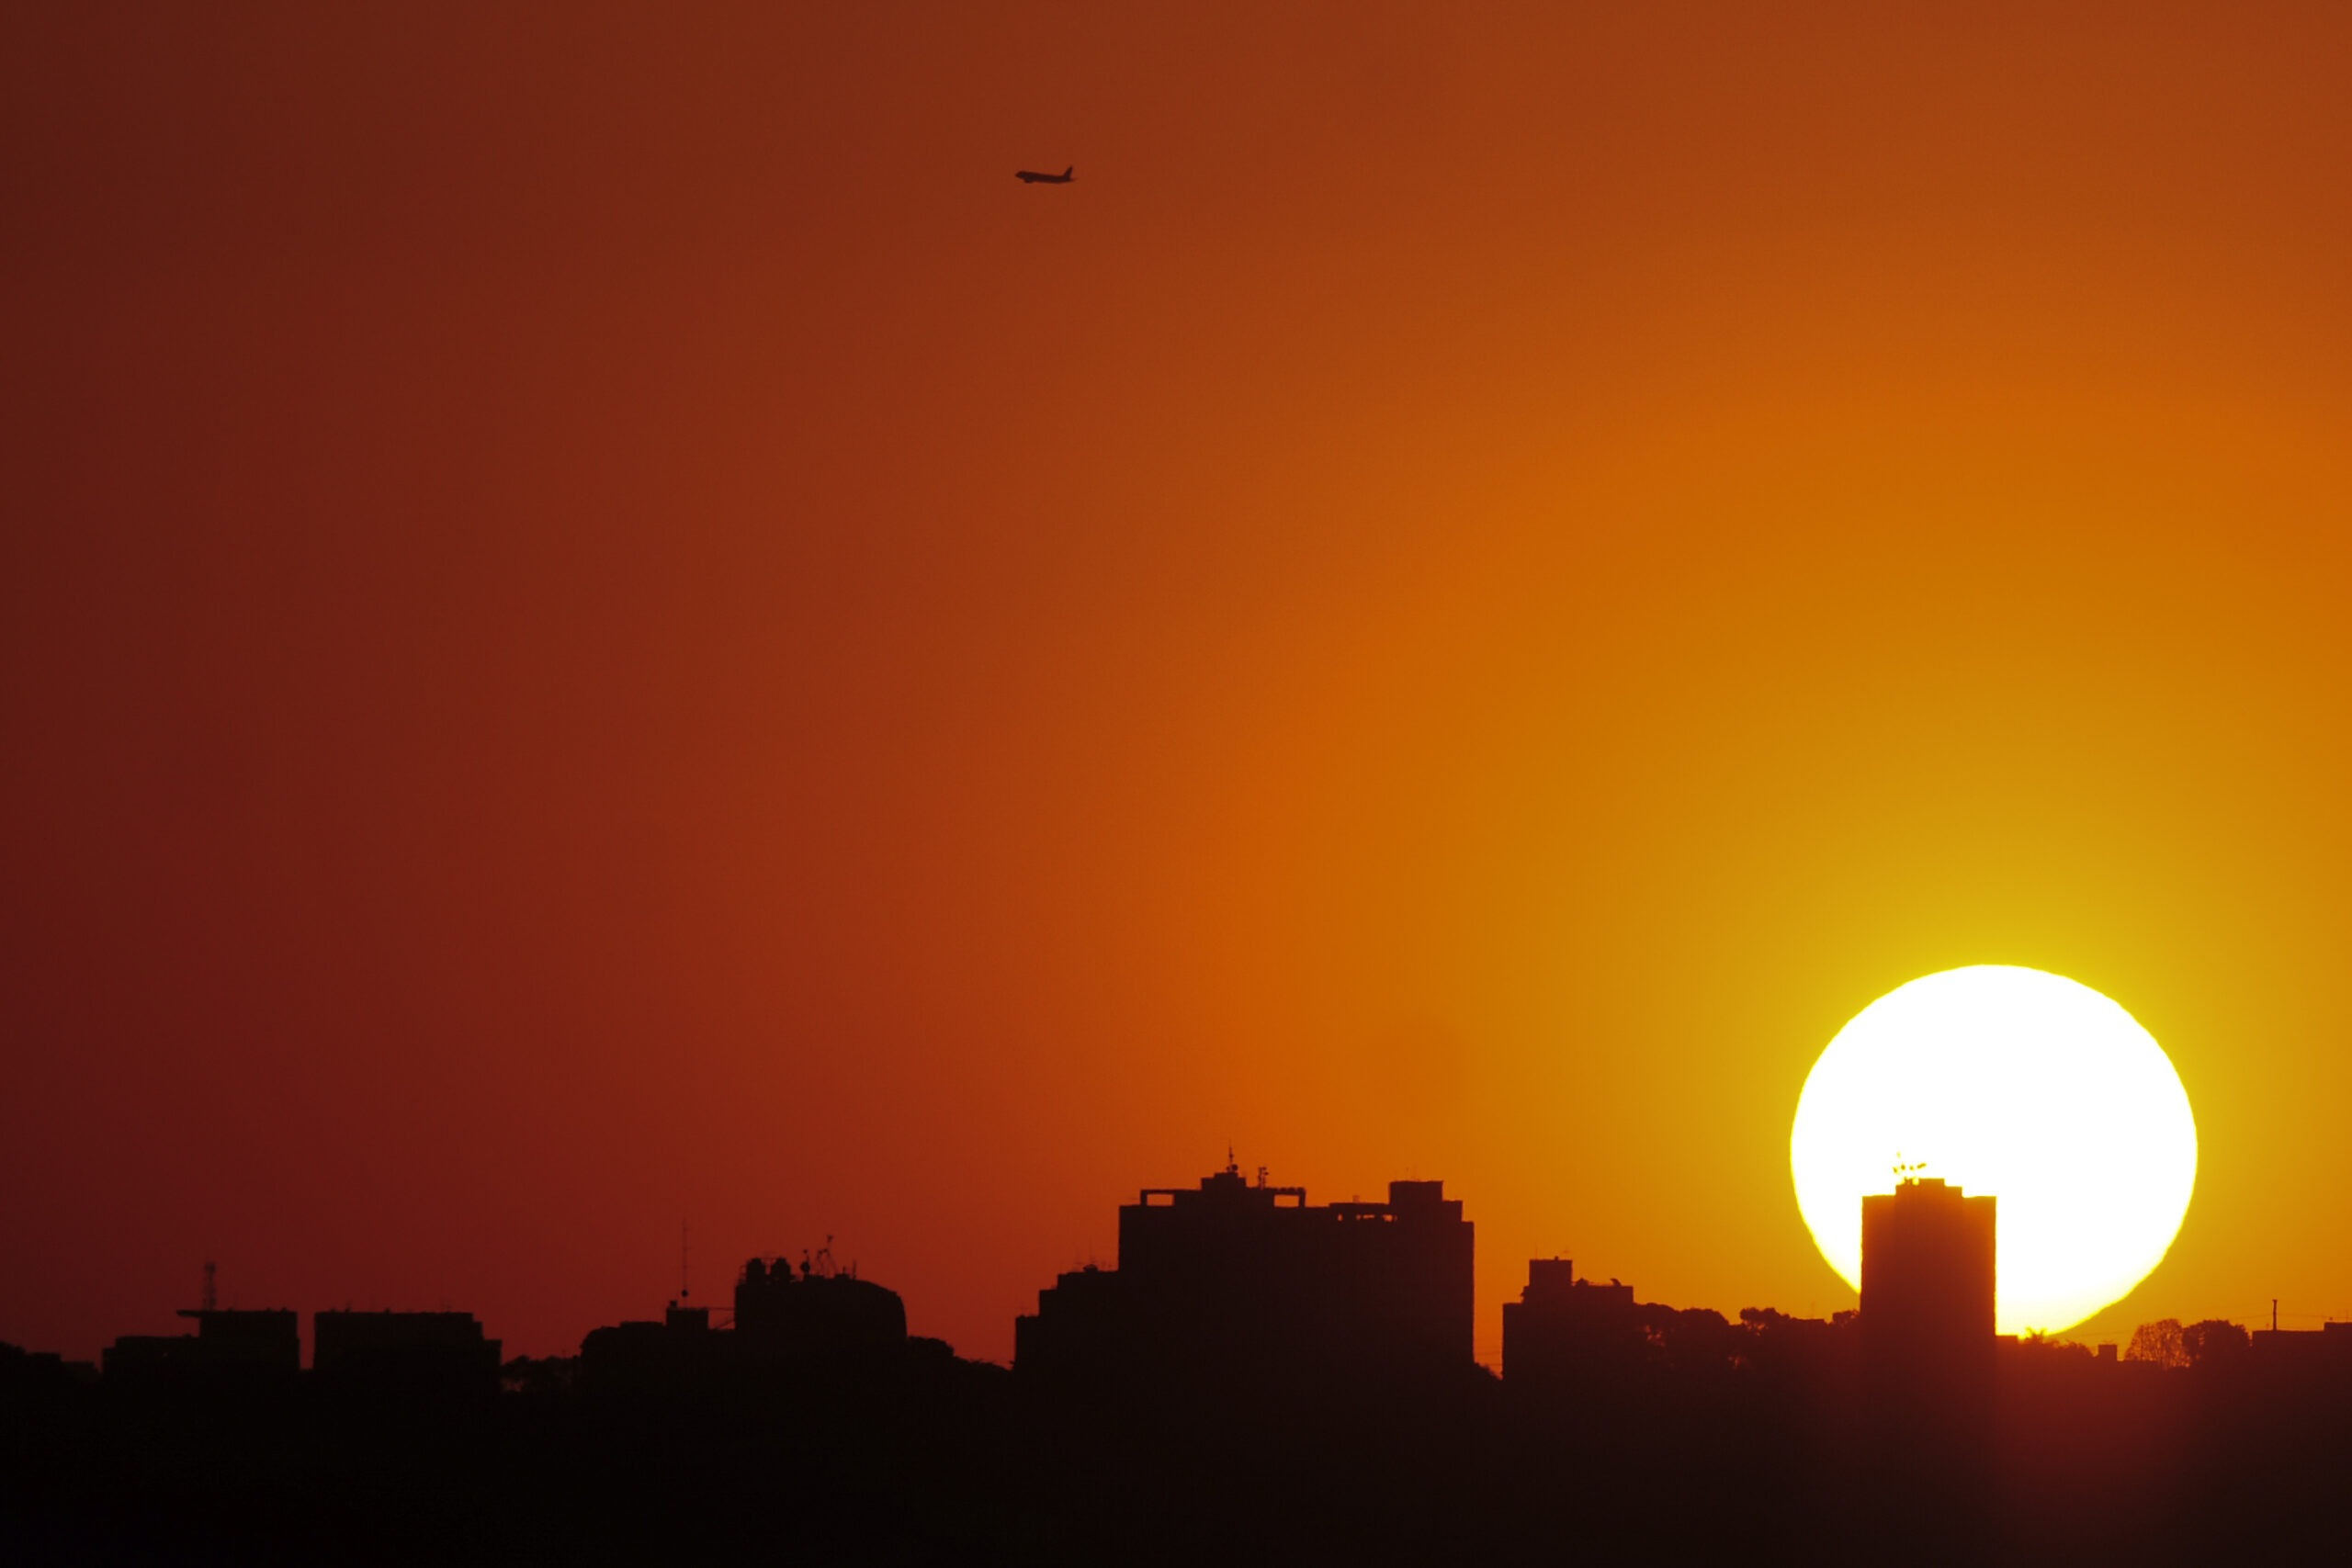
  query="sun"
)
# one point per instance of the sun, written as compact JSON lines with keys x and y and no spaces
{"x":2016,"y":1083}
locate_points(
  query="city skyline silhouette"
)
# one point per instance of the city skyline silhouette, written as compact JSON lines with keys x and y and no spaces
{"x":1909,"y":1426}
{"x":1932,"y":1245}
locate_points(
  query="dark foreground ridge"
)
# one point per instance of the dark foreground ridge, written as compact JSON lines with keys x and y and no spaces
{"x":1260,"y":1379}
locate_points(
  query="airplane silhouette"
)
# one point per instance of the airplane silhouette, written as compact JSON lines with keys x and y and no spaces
{"x":1031,"y":178}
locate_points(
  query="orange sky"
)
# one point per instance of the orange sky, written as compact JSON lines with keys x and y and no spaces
{"x":601,"y":620}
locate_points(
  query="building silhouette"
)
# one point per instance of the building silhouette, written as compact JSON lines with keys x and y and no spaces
{"x":1928,"y":1365}
{"x":782,"y":1315}
{"x":229,"y":1346}
{"x":1927,"y":1288}
{"x":2322,"y":1352}
{"x":1564,"y":1331}
{"x":1241,"y":1280}
{"x":407,"y":1355}
{"x":679,"y":1349}
{"x":22,"y":1371}
{"x":815,"y":1319}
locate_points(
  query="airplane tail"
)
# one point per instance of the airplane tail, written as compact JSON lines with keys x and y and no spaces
{"x":1071,"y":169}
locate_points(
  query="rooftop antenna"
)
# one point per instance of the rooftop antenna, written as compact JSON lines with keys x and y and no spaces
{"x":212,"y":1295}
{"x":685,"y":1259}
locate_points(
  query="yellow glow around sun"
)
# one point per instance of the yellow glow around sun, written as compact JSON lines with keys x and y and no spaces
{"x":2019,"y":1084}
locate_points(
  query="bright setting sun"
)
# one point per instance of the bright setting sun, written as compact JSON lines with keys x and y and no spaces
{"x":2022,"y":1085}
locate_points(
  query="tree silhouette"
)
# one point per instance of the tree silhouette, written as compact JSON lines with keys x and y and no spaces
{"x":2159,"y":1342}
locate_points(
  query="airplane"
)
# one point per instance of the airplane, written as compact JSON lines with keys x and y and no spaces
{"x":1031,"y":178}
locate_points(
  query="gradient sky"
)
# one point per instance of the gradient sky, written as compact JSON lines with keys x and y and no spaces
{"x":604,"y":622}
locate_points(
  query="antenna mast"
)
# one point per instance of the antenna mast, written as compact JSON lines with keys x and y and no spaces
{"x":685,"y":1260}
{"x":211,"y":1294}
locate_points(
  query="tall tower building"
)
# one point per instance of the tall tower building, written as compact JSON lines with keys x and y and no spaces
{"x":1927,"y":1320}
{"x":1928,"y":1278}
{"x":1928,"y":1363}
